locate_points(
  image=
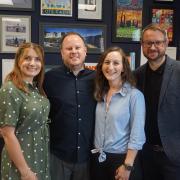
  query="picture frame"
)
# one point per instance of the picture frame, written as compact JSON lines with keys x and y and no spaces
{"x":56,"y":8}
{"x":14,"y":30}
{"x":7,"y":67}
{"x":91,"y":66}
{"x":127,"y":20}
{"x":164,"y":17}
{"x":17,"y":5}
{"x":164,"y":1}
{"x":51,"y":33}
{"x":90,"y":9}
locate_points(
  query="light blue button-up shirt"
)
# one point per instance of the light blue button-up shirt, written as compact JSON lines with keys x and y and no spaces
{"x":122,"y":126}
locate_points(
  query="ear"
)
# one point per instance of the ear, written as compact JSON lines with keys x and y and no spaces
{"x":167,"y":42}
{"x":85,"y":48}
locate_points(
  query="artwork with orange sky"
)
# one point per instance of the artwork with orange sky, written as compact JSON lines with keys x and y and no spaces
{"x":128,"y":19}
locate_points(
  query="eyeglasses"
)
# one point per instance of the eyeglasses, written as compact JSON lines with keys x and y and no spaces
{"x":148,"y":44}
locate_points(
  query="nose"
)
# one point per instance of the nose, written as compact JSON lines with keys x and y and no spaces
{"x":153,"y":46}
{"x":32,"y":62}
{"x":73,"y":50}
{"x":110,"y":66}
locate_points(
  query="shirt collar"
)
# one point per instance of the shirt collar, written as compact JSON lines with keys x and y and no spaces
{"x":124,"y":90}
{"x":31,"y":86}
{"x":160,"y":69}
{"x":68,"y":70}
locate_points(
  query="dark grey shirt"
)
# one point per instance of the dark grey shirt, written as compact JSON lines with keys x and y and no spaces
{"x":72,"y":113}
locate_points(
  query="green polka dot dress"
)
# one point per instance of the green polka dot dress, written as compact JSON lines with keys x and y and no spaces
{"x":28,"y":113}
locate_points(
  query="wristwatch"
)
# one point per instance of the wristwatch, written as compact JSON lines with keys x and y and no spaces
{"x":128,"y":167}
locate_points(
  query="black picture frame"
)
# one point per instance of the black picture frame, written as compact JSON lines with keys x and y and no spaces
{"x":164,"y":1}
{"x":25,"y":5}
{"x":51,"y":33}
{"x":127,"y":21}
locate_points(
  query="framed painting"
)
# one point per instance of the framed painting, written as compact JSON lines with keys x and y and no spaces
{"x":56,"y":8}
{"x":164,"y":17}
{"x":90,"y":9}
{"x":127,"y":20}
{"x":14,"y":30}
{"x":20,"y":5}
{"x":93,"y":34}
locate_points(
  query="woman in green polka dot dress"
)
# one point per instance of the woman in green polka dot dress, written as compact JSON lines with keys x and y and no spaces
{"x":24,"y":111}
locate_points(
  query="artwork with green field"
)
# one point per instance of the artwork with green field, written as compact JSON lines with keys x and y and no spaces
{"x":127,"y":20}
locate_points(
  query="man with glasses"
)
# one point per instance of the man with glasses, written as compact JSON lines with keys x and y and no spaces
{"x":159,"y":80}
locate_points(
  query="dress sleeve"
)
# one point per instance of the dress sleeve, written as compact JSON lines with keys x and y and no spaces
{"x":9,"y":105}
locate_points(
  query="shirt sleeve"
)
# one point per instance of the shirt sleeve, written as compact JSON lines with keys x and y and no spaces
{"x":9,"y":105}
{"x":137,"y":120}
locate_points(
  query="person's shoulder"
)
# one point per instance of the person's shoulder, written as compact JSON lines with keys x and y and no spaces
{"x":136,"y":92}
{"x":53,"y":72}
{"x":140,"y":68}
{"x":173,"y":62}
{"x":9,"y":85}
{"x":10,"y":89}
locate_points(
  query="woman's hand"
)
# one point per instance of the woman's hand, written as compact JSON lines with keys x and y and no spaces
{"x":122,"y":173}
{"x":30,"y":175}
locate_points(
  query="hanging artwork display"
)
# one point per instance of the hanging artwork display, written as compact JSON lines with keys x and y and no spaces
{"x":56,"y":8}
{"x":164,"y":17}
{"x":127,"y":20}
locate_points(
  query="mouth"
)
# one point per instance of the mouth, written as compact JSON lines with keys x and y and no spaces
{"x":32,"y":69}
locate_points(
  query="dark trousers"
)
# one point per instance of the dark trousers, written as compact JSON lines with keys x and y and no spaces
{"x":106,"y":170}
{"x":157,"y":166}
{"x":61,"y":170}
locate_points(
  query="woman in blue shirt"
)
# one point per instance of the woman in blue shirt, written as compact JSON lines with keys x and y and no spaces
{"x":120,"y":117}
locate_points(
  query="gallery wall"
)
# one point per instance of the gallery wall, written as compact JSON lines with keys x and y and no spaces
{"x":107,"y":19}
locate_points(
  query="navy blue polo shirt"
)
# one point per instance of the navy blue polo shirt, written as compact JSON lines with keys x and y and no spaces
{"x":72,"y":113}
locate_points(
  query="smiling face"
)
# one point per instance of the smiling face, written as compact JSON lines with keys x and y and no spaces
{"x":112,"y":67}
{"x":154,"y":45}
{"x":73,"y":52}
{"x":29,"y":65}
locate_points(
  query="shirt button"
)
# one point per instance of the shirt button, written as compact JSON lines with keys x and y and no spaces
{"x":79,"y":119}
{"x":79,"y":133}
{"x":78,"y":147}
{"x":77,"y":92}
{"x":79,"y":105}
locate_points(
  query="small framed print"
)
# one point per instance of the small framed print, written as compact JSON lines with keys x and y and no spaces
{"x":90,"y":9}
{"x":91,"y":66}
{"x":94,"y":35}
{"x":20,"y":5}
{"x":56,"y":8}
{"x":14,"y":30}
{"x":164,"y":17}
